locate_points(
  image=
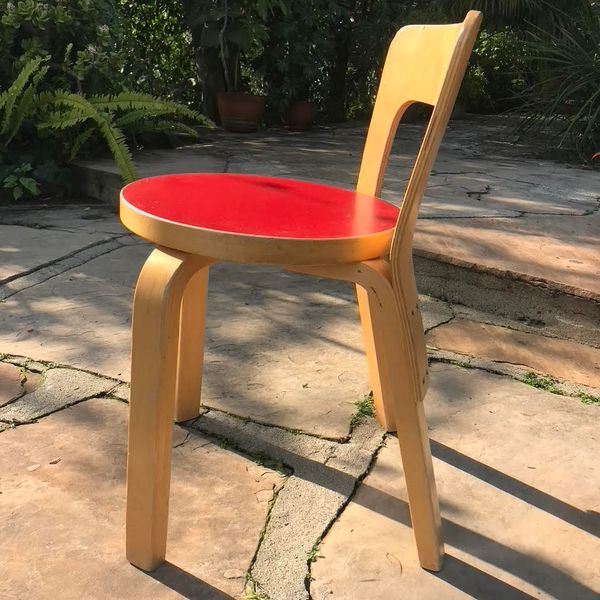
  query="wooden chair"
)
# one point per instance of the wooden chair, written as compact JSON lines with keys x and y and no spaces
{"x":198,"y":220}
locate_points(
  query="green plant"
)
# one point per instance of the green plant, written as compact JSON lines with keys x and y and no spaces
{"x":497,"y":73}
{"x":27,"y":115}
{"x":160,"y":60}
{"x":364,"y":408}
{"x":566,"y":100}
{"x":546,"y":383}
{"x":223,"y":33}
{"x":588,"y":398}
{"x":313,"y":553}
{"x":17,"y":180}
{"x":82,"y":40}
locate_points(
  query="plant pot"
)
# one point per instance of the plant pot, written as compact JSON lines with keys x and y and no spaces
{"x":240,"y":112}
{"x":300,"y":116}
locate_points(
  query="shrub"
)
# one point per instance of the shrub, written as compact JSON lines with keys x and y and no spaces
{"x":566,"y":101}
{"x":82,"y":40}
{"x":27,"y":115}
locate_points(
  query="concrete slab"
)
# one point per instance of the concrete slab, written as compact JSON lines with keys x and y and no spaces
{"x":60,"y":388}
{"x":79,"y":318}
{"x":324,"y":474}
{"x":491,"y":211}
{"x":90,"y":217}
{"x":262,"y":361}
{"x":551,"y":249}
{"x":521,"y":515}
{"x":62,"y":512}
{"x":23,"y":249}
{"x":562,"y":359}
{"x":10,"y":383}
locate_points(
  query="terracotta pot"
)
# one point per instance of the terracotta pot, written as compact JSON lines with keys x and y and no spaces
{"x":240,"y":112}
{"x":300,"y":116}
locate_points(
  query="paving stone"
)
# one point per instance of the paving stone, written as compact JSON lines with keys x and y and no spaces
{"x":555,"y":249}
{"x":324,"y":476}
{"x":80,"y":318}
{"x":434,"y":312}
{"x":280,"y":348}
{"x":121,"y":392}
{"x":519,"y":500}
{"x":62,"y":524}
{"x":78,"y":217}
{"x":25,"y":248}
{"x":10,"y":383}
{"x":61,"y":387}
{"x":562,"y":359}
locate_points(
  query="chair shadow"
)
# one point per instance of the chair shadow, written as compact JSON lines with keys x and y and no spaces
{"x":185,"y":584}
{"x":585,"y":520}
{"x":545,"y":576}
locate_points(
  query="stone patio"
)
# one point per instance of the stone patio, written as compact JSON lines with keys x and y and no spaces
{"x":278,"y":489}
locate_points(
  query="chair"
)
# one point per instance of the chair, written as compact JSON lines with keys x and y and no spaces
{"x":197,"y":220}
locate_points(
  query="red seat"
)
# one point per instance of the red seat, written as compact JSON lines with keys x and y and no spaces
{"x":197,"y":212}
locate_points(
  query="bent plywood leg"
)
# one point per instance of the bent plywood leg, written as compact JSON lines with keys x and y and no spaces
{"x":378,"y":378}
{"x":406,"y":395}
{"x":155,"y":327}
{"x":191,"y":347}
{"x":403,"y":384}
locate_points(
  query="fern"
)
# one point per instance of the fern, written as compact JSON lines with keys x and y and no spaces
{"x":129,"y":101}
{"x":108,"y":115}
{"x":79,"y":142}
{"x":110,"y":132}
{"x":14,"y":91}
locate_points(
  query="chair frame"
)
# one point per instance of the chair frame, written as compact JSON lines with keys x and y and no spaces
{"x":170,"y":306}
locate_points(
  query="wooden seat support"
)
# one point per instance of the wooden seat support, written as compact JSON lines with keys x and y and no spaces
{"x":424,"y":64}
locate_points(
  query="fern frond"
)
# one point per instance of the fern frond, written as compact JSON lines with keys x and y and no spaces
{"x":118,"y":146}
{"x":19,"y":113}
{"x":113,"y":135}
{"x":79,"y":141}
{"x":128,"y":101}
{"x":131,"y":119}
{"x":17,"y":87}
{"x":59,"y":119}
{"x":172,"y":127}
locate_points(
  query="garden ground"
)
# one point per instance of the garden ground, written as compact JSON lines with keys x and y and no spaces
{"x":281,"y":456}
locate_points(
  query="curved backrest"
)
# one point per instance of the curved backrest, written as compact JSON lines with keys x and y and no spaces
{"x":425,"y":63}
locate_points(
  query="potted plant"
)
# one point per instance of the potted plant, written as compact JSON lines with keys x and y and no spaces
{"x":293,"y":61}
{"x":223,"y":32}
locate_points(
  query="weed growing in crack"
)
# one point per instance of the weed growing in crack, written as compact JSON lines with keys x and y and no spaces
{"x":464,"y":365}
{"x":225,"y":444}
{"x":364,"y":408}
{"x":588,"y":398}
{"x":250,"y":592}
{"x":546,"y":383}
{"x":270,"y":463}
{"x":313,"y":553}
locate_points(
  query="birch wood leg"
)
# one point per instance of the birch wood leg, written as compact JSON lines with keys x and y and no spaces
{"x":155,"y":328}
{"x":408,"y":386}
{"x":403,"y":382}
{"x":378,"y":378}
{"x":191,"y":347}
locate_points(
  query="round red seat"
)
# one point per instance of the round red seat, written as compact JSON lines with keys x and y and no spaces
{"x":247,"y":218}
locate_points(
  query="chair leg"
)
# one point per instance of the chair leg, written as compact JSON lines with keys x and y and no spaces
{"x":155,"y":327}
{"x":191,"y":347}
{"x":405,"y":397}
{"x":378,"y":379}
{"x":401,"y":370}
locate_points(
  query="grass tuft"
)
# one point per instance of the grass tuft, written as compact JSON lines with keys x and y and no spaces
{"x":542,"y":382}
{"x":364,"y":408}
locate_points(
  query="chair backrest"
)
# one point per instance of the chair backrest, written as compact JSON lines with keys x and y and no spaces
{"x":425,"y":63}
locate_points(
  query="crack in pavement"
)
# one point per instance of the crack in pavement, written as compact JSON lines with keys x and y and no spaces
{"x":41,"y":273}
{"x":311,"y":500}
